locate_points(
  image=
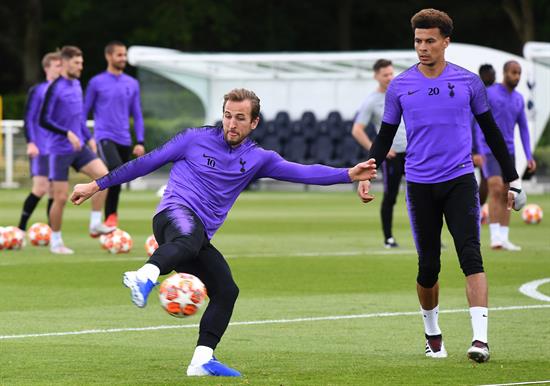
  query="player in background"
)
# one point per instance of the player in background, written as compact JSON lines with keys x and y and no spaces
{"x":487,"y":75}
{"x":508,"y":109}
{"x":37,"y":148}
{"x":371,"y":111}
{"x":70,"y":144}
{"x":211,"y":167}
{"x":113,"y":97}
{"x":436,"y":100}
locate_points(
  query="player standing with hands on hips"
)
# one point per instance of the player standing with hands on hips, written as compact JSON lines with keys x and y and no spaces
{"x":436,"y":99}
{"x":211,"y":167}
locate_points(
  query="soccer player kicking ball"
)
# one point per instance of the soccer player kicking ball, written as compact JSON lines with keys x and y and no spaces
{"x":436,"y":99}
{"x":211,"y":167}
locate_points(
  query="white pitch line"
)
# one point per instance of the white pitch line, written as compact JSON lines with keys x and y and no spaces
{"x":531,"y":289}
{"x":259,"y":322}
{"x":520,"y":383}
{"x":117,"y":259}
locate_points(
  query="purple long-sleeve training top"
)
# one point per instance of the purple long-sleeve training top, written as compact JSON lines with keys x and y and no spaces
{"x":208,"y":174}
{"x":63,"y":110}
{"x":508,"y":109}
{"x":113,"y":99}
{"x":437,"y":114}
{"x":33,"y":131}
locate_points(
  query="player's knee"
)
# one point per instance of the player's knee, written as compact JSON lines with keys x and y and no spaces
{"x":471,"y":263}
{"x":428,"y":275}
{"x":61,"y":197}
{"x":228,"y":292}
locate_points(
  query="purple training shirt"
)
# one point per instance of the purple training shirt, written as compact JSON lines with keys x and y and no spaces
{"x":437,"y":114}
{"x":62,"y":111}
{"x":208,"y":174}
{"x":508,"y":109}
{"x":33,"y":131}
{"x":113,"y":99}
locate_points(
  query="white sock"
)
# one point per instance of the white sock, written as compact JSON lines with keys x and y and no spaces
{"x":149,"y":271}
{"x":202,"y":355}
{"x":480,"y":319}
{"x":431,"y":325}
{"x":504,"y":232}
{"x":95,"y":218}
{"x":56,"y":239}
{"x":494,"y":229}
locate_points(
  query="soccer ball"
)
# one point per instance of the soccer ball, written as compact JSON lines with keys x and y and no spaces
{"x":532,"y":214}
{"x":151,"y":245}
{"x":182,"y":294}
{"x":12,"y":238}
{"x":5,"y":238}
{"x":102,"y":241}
{"x":39,"y":234}
{"x":118,"y":241}
{"x":484,"y":214}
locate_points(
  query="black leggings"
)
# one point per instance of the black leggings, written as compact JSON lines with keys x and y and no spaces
{"x":184,"y":247}
{"x":458,"y":201}
{"x":113,"y":155}
{"x":393,"y":169}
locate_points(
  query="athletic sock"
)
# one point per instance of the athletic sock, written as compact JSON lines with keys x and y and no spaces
{"x":56,"y":239}
{"x":95,"y":218}
{"x":494,"y":230}
{"x":480,"y":321}
{"x":149,"y":271}
{"x":28,"y":207}
{"x":202,"y":355}
{"x":50,"y":203}
{"x":504,"y":233}
{"x":431,"y":325}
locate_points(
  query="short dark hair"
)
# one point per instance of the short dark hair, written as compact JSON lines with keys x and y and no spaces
{"x":433,"y":18}
{"x":69,"y":52}
{"x":49,"y":58}
{"x":110,"y":47}
{"x":509,"y":63}
{"x":381,"y":63}
{"x":242,"y":94}
{"x":484,"y":68}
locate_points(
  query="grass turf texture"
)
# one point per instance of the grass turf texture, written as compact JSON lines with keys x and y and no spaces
{"x":293,"y":255}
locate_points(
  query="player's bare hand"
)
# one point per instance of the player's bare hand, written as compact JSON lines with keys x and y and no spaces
{"x":74,"y":140}
{"x":531,"y":166}
{"x":82,"y":192}
{"x":363,"y":171}
{"x":92,"y":145}
{"x":363,"y":191}
{"x":32,"y":150}
{"x":139,"y":150}
{"x":478,"y":160}
{"x":391,"y":154}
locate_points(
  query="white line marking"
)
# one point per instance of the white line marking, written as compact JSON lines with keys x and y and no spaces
{"x":520,"y":383}
{"x":258,"y":322}
{"x":116,"y":259}
{"x":531,"y":289}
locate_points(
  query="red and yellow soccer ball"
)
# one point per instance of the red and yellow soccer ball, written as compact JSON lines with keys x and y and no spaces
{"x":151,"y":245}
{"x":182,"y":294}
{"x":117,"y":241}
{"x":11,"y":238}
{"x":532,"y":214}
{"x":39,"y":234}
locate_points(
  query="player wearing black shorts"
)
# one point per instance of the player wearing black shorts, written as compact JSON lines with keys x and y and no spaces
{"x":436,"y":100}
{"x":113,"y":97}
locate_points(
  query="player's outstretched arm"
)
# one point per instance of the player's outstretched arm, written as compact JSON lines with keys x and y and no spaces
{"x":82,"y":192}
{"x":363,"y":171}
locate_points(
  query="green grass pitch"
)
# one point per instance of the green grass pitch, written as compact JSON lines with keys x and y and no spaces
{"x":321,"y":303}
